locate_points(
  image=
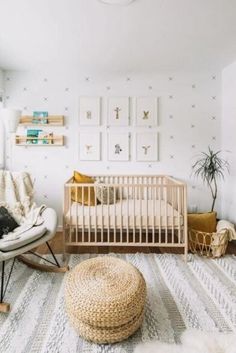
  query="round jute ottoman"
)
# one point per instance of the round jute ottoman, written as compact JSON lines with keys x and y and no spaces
{"x":105,"y":299}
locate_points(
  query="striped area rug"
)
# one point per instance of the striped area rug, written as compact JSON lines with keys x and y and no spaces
{"x":200,"y":294}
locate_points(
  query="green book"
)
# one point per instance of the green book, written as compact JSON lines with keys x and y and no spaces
{"x":40,"y":114}
{"x":33,"y":134}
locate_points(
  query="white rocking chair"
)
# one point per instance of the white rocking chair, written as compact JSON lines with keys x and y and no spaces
{"x":29,"y":240}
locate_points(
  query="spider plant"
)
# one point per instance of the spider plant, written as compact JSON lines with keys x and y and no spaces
{"x":211,"y":167}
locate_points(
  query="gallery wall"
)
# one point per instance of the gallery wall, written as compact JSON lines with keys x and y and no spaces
{"x":189,"y":112}
{"x":228,"y":141}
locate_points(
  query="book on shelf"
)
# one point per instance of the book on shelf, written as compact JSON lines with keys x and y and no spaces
{"x":40,"y":117}
{"x":45,"y":138}
{"x":32,"y":135}
{"x":41,"y":121}
{"x":40,"y":114}
{"x":40,"y":137}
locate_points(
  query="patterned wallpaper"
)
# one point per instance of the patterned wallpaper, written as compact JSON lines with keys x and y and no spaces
{"x":189,"y":121}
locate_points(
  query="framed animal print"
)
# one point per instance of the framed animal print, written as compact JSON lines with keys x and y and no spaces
{"x":118,"y":146}
{"x":146,"y":111}
{"x":118,"y":111}
{"x":89,"y":111}
{"x":147,"y":146}
{"x":89,"y":146}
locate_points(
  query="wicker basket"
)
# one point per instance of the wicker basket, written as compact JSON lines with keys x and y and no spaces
{"x":208,"y":244}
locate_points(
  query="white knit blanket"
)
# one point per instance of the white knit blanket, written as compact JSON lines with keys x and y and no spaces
{"x":16,"y":194}
{"x":223,"y":225}
{"x":32,"y":219}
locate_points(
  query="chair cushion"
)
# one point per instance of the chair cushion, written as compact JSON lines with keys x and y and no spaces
{"x":7,"y":222}
{"x":24,"y":239}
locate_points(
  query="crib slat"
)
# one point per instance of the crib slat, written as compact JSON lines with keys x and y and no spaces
{"x":114,"y":214}
{"x":146,"y":201}
{"x":83,"y":214}
{"x":76,"y":215}
{"x":95,"y":230}
{"x":140,"y":213}
{"x":108,"y":208}
{"x":89,"y":216}
{"x":127,"y":225}
{"x":153,"y":214}
{"x":159,"y":215}
{"x":102,"y":226}
{"x":173,"y":218}
{"x":166,"y":216}
{"x":121,"y":218}
{"x":133,"y":192}
{"x":179,"y":230}
{"x":70,"y":216}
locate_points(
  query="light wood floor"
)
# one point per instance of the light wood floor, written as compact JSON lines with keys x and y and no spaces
{"x":56,"y":244}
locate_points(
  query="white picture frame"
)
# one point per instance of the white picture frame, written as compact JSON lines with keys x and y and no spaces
{"x":146,"y":111}
{"x":147,"y":146}
{"x":90,"y":146}
{"x":118,"y":146}
{"x":89,"y":111}
{"x":118,"y":111}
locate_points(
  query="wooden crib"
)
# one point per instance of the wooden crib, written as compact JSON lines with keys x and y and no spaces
{"x":146,"y":211}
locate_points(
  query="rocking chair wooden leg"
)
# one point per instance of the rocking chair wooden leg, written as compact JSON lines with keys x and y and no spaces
{"x":4,"y":307}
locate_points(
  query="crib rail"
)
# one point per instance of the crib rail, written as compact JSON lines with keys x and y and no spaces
{"x":145,"y":211}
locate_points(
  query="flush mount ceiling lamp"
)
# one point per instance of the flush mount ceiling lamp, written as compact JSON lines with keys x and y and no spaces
{"x":117,"y":2}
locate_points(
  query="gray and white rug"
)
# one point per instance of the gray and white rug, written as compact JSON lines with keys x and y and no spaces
{"x":200,"y":294}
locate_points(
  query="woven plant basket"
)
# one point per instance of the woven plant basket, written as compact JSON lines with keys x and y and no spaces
{"x":208,"y":244}
{"x":105,"y":299}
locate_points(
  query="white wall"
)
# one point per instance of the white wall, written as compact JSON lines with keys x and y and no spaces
{"x":229,"y":140}
{"x":1,"y":123}
{"x":1,"y":80}
{"x":189,"y":121}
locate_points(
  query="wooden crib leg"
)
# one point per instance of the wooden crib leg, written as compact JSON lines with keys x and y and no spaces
{"x":186,"y":253}
{"x":64,"y":244}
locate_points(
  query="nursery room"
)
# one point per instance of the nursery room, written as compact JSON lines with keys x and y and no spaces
{"x":117,"y":176}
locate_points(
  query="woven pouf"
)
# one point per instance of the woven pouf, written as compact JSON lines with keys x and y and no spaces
{"x":105,"y":299}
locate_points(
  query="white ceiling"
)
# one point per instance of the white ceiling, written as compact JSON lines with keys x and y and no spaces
{"x":145,"y":36}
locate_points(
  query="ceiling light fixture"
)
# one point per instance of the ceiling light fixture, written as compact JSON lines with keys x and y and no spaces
{"x":117,"y":2}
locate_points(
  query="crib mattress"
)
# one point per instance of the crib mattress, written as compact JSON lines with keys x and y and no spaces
{"x":125,"y":214}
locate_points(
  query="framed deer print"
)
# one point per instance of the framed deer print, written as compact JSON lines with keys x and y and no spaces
{"x":89,"y":146}
{"x":146,"y":111}
{"x":118,"y":111}
{"x":89,"y":111}
{"x":118,"y":146}
{"x":147,"y":146}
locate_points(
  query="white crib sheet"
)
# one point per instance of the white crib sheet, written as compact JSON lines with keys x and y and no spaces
{"x":125,"y":213}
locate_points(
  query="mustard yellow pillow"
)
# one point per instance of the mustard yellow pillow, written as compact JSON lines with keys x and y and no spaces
{"x":77,"y":193}
{"x":205,"y":222}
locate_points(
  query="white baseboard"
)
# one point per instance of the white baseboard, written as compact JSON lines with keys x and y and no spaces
{"x":59,"y":229}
